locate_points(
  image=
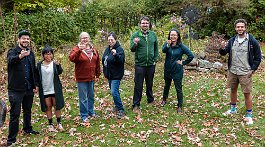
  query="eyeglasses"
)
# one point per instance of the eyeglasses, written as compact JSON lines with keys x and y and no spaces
{"x":85,"y":38}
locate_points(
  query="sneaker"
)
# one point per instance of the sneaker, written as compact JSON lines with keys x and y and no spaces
{"x":94,"y":115}
{"x":60,"y":127}
{"x":52,"y":129}
{"x":163,"y":103}
{"x":86,"y":120}
{"x":230,"y":112}
{"x":136,"y":110}
{"x":120,"y":114}
{"x":248,"y":119}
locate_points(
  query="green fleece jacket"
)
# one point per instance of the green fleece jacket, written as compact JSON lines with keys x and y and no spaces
{"x":146,"y":50}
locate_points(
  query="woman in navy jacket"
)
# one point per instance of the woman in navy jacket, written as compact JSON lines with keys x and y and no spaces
{"x":113,"y":68}
{"x":173,"y":67}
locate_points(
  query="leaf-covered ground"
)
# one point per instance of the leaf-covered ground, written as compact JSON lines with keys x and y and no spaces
{"x":200,"y":124}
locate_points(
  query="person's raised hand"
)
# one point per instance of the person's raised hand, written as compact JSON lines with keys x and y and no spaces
{"x":223,"y":44}
{"x":24,"y":53}
{"x":113,"y":52}
{"x":136,"y":40}
{"x":168,"y":43}
{"x":81,"y":46}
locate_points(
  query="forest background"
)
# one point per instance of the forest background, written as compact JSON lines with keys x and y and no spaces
{"x":58,"y":22}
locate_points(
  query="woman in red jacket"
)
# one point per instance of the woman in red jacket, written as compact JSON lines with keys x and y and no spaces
{"x":87,"y":71}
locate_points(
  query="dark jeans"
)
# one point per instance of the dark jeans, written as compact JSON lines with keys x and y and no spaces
{"x":17,"y":99}
{"x":178,"y":87}
{"x":143,"y":73}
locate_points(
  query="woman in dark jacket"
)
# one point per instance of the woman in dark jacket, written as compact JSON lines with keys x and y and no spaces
{"x":50,"y":90}
{"x":173,"y":67}
{"x":113,"y":69}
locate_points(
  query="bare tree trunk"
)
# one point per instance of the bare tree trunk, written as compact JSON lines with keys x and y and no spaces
{"x":3,"y":25}
{"x":15,"y":24}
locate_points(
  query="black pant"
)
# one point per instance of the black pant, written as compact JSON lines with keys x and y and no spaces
{"x":141,"y":73}
{"x":178,"y":87}
{"x":16,"y":99}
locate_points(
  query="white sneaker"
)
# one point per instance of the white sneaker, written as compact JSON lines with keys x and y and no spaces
{"x":60,"y":127}
{"x":249,"y":120}
{"x":229,"y":112}
{"x":86,"y":120}
{"x":52,"y":129}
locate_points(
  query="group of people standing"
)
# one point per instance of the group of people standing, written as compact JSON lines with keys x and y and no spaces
{"x":144,"y":44}
{"x":24,"y":79}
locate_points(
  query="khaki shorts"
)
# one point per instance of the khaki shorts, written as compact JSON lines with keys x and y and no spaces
{"x":244,"y":80}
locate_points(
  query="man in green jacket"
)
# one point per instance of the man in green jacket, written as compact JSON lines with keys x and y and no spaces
{"x":144,"y":44}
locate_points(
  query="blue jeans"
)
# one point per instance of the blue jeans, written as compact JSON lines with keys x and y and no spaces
{"x":114,"y":87}
{"x":86,"y":99}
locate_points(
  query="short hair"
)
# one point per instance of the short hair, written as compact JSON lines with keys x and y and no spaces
{"x":46,"y":49}
{"x":113,"y":35}
{"x":241,"y":21}
{"x":179,"y":38}
{"x":84,"y":33}
{"x":144,"y":18}
{"x":23,"y":32}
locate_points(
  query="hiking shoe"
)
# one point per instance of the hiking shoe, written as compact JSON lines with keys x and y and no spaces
{"x":163,"y":103}
{"x":52,"y":129}
{"x":248,"y":119}
{"x":120,"y":114}
{"x":60,"y":127}
{"x":230,"y":112}
{"x":136,"y":110}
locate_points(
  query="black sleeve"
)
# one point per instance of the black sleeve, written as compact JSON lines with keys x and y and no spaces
{"x":12,"y":57}
{"x":59,"y":69}
{"x":256,"y":55}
